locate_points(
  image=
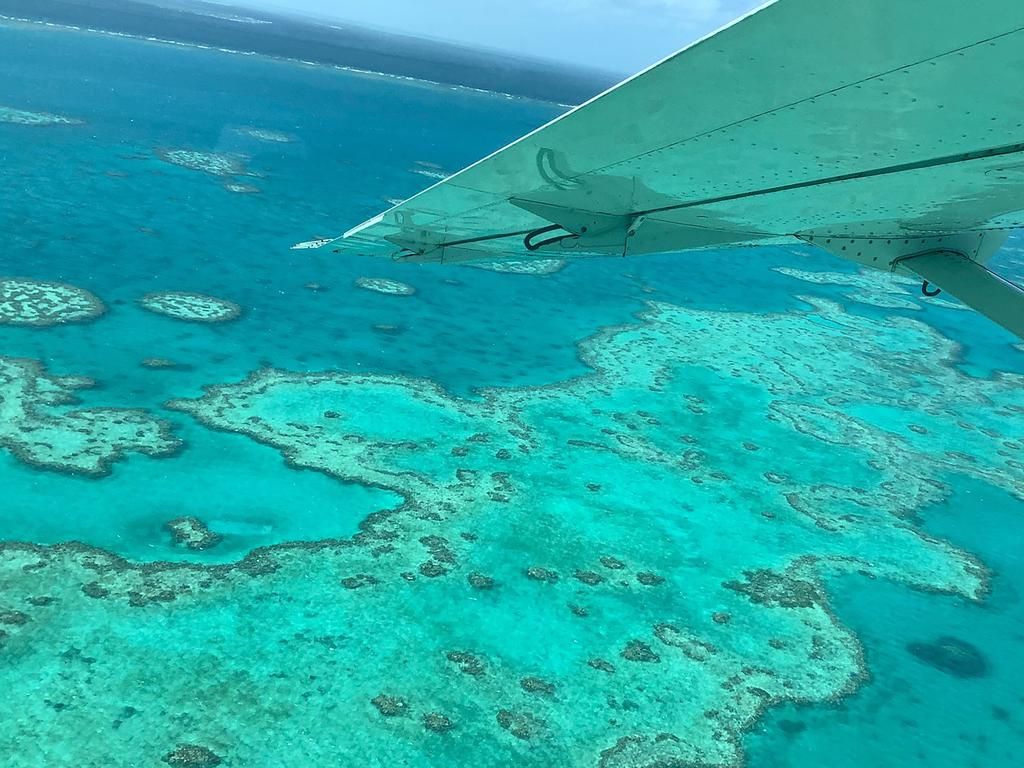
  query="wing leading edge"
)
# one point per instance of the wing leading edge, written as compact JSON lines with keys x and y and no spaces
{"x":884,"y":124}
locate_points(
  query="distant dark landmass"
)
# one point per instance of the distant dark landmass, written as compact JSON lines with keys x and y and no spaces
{"x":295,"y":37}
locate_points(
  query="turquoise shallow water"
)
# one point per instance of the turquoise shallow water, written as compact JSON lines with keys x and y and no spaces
{"x":672,"y":510}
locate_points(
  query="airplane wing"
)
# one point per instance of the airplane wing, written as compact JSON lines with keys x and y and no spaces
{"x":890,"y":132}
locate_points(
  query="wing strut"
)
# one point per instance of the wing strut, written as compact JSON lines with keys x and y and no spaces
{"x":974,"y":284}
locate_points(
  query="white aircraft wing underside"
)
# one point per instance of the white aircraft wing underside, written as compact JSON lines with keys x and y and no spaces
{"x":860,"y":119}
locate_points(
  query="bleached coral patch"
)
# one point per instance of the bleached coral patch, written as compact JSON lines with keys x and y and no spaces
{"x":430,"y":170}
{"x":526,"y":267}
{"x":40,"y":303}
{"x":214,"y":163}
{"x":265,"y":134}
{"x":192,"y":307}
{"x":13,"y":116}
{"x":385,"y":286}
{"x":242,"y":189}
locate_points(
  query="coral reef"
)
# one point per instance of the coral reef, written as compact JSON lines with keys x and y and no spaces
{"x":13,"y":116}
{"x":533,"y":684}
{"x":467,"y":663}
{"x":775,"y":589}
{"x":874,"y":287}
{"x":638,"y":650}
{"x":213,"y":163}
{"x":192,"y":756}
{"x":385,"y":286}
{"x":39,"y":303}
{"x":390,"y":706}
{"x":649,"y":579}
{"x":522,"y":725}
{"x":38,"y":427}
{"x":192,"y":533}
{"x":532,"y":267}
{"x":266,"y":134}
{"x":430,"y":170}
{"x":191,"y":307}
{"x":539,"y":573}
{"x":242,"y":189}
{"x":438,"y":723}
{"x":502,"y":602}
{"x":480,"y":581}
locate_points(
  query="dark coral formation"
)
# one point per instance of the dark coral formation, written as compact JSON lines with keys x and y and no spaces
{"x":602,"y":665}
{"x":533,"y":684}
{"x":390,"y":706}
{"x":612,"y":562}
{"x":95,"y":590}
{"x":649,"y":579}
{"x":191,"y":532}
{"x":696,"y":649}
{"x":192,"y":756}
{"x":439,"y":549}
{"x":538,"y":573}
{"x":522,"y":725}
{"x":662,"y":751}
{"x":438,"y":723}
{"x":359,"y":580}
{"x":468,"y":663}
{"x":152,"y":594}
{"x":638,"y":650}
{"x":432,"y":569}
{"x":951,"y":655}
{"x":773,"y":589}
{"x":591,"y":578}
{"x":480,"y":581}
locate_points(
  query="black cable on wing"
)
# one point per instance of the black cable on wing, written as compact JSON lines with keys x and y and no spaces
{"x":528,"y":241}
{"x":405,"y":253}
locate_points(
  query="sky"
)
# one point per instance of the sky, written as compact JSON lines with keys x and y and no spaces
{"x":621,"y":36}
